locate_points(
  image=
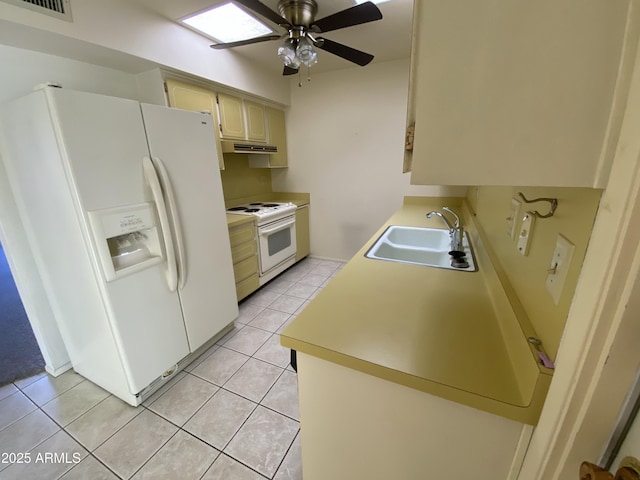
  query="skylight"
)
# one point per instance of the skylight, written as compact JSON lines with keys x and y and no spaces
{"x":227,"y":23}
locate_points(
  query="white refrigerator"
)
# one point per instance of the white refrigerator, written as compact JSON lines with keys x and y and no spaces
{"x":123,"y":209}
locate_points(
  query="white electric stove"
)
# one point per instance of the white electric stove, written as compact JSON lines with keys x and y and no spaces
{"x":276,"y":233}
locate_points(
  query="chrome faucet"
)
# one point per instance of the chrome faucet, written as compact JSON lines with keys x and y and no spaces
{"x":455,"y":231}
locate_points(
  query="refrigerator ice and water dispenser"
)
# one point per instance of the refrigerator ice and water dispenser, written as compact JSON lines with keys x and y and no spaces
{"x":128,"y":239}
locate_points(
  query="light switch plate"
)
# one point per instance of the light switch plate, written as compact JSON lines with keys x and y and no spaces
{"x":559,"y":267}
{"x":526,"y":233}
{"x":514,"y":216}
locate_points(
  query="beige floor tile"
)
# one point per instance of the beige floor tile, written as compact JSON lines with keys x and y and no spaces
{"x":24,"y":382}
{"x":274,"y":353}
{"x":183,"y":457}
{"x":26,"y":433}
{"x":134,"y":444}
{"x":324,"y":269}
{"x":287,"y":304}
{"x":248,"y":340}
{"x":89,"y":469}
{"x":254,"y":379}
{"x":248,"y":311}
{"x":291,"y":468}
{"x":201,"y":358}
{"x":179,"y":403}
{"x":48,"y":387}
{"x":236,"y":328}
{"x":301,"y":290}
{"x":225,"y":468}
{"x":314,"y":280}
{"x":51,"y":459}
{"x":262,"y":297}
{"x":166,"y":386}
{"x":263,"y":440}
{"x":98,"y":424}
{"x":220,"y":366}
{"x":278,"y":285}
{"x":68,"y":406}
{"x":7,"y":390}
{"x":14,"y":407}
{"x":220,"y":418}
{"x":269,"y":320}
{"x":283,"y":396}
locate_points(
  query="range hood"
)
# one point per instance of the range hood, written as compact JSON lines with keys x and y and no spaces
{"x":242,"y":146}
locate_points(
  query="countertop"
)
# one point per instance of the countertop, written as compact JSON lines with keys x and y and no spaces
{"x":439,"y":331}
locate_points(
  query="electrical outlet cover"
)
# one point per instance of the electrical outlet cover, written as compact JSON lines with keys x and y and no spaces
{"x":512,"y":219}
{"x":559,"y":267}
{"x":526,"y":233}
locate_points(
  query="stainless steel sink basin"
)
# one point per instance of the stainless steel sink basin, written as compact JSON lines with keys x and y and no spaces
{"x":419,"y":246}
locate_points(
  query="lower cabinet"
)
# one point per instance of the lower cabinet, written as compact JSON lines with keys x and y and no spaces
{"x":244,"y":252}
{"x":302,"y":232}
{"x":403,"y":433}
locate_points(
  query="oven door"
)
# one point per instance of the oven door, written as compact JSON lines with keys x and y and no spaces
{"x":277,"y":242}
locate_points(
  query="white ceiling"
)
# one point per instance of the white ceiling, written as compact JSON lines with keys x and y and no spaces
{"x":386,"y":39}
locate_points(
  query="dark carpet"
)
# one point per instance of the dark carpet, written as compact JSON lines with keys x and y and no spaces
{"x":20,"y":355}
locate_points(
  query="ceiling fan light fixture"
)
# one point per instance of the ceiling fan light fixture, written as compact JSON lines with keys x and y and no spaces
{"x":287,"y":53}
{"x":305,"y":52}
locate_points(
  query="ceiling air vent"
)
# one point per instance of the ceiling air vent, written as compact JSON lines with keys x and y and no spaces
{"x":55,"y":8}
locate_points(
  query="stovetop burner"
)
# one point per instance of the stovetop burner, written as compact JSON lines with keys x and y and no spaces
{"x":265,"y":211}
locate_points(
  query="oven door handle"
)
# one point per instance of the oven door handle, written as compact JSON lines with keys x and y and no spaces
{"x":282,"y":226}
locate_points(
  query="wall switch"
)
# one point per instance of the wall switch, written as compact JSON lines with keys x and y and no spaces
{"x":526,"y":231}
{"x":559,"y":267}
{"x":512,"y":219}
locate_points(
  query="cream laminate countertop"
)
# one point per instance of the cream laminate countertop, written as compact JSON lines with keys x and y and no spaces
{"x":435,"y":330}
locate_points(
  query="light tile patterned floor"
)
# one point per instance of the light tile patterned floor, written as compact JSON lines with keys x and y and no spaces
{"x":232,"y":414}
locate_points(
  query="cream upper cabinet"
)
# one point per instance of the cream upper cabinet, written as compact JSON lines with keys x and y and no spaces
{"x":277,"y":136}
{"x":231,"y":117}
{"x":191,"y":97}
{"x":256,"y":127}
{"x":517,"y":92}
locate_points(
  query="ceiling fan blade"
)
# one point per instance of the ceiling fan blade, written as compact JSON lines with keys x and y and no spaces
{"x":265,"y":11}
{"x":289,"y":71}
{"x":239,"y":43}
{"x":348,"y":53}
{"x":363,"y":13}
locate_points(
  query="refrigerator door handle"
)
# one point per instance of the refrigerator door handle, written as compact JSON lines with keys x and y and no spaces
{"x":151,"y":176}
{"x":175,"y":217}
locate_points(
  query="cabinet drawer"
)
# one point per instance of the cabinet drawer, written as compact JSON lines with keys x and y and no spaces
{"x":247,"y":286}
{"x":245,"y":268}
{"x":244,"y":250}
{"x":242,"y":234}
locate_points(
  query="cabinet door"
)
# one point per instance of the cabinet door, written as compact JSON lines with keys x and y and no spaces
{"x":516,"y":93}
{"x":256,"y":129}
{"x":191,"y":97}
{"x":303,"y":242}
{"x":231,"y":116}
{"x":277,"y":136}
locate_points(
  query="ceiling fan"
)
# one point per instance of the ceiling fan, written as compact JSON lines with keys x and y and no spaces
{"x":298,"y":17}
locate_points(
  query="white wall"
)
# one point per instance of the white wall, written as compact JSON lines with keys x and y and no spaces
{"x":100,"y":30}
{"x":27,"y":70}
{"x":345,"y":137}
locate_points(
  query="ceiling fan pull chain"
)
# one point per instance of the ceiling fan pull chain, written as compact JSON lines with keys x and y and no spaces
{"x":308,"y":73}
{"x":299,"y":78}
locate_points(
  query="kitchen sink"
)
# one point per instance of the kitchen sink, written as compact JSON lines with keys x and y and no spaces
{"x":419,"y":246}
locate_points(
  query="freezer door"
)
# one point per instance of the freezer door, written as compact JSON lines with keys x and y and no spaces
{"x":182,"y":143}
